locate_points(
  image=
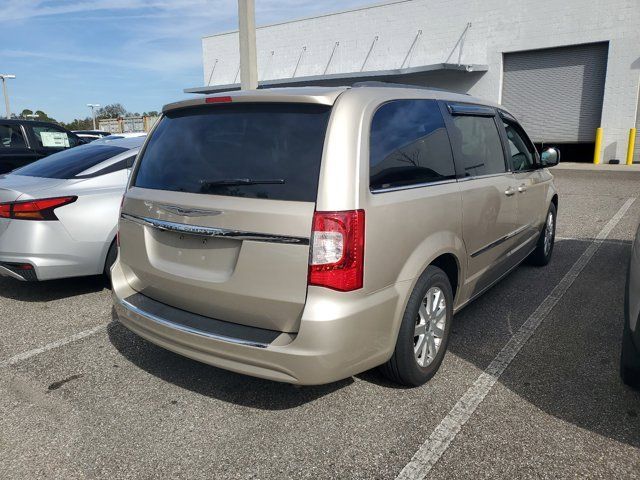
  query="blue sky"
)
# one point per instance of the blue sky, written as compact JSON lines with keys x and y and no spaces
{"x":141,"y":53}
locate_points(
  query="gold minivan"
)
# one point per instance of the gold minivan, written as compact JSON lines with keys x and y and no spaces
{"x":308,"y":234}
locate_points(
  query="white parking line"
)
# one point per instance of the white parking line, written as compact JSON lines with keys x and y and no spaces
{"x":50,"y":346}
{"x":438,"y":442}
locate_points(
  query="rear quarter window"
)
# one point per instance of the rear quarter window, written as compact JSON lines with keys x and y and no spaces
{"x":198,"y":149}
{"x":409,"y":145}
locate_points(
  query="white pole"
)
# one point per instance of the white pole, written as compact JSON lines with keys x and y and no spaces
{"x":248,"y":56}
{"x":93,"y":106}
{"x":4,"y":92}
{"x":6,"y":97}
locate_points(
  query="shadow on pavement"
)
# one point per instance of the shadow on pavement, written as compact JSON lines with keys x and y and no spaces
{"x":569,"y":367}
{"x":51,"y":289}
{"x":211,"y":381}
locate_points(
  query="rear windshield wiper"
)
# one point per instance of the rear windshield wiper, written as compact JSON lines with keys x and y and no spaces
{"x":241,"y":181}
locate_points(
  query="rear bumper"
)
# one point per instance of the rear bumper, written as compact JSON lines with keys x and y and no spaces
{"x":49,"y":248}
{"x":17,"y":271}
{"x":340,"y":335}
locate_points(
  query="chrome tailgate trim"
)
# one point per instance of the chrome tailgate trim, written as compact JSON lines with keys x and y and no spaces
{"x":201,"y":231}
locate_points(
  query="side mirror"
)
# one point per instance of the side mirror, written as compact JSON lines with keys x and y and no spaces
{"x":550,"y":157}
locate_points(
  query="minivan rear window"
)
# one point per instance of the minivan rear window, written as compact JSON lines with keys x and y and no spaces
{"x":254,"y":150}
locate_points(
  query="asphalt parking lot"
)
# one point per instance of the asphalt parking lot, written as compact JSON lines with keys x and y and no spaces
{"x":82,"y":397}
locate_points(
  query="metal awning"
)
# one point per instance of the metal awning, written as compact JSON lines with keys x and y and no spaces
{"x":348,"y":77}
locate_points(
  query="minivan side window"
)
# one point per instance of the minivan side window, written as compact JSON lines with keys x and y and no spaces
{"x":520,"y":148}
{"x":479,"y":146}
{"x":409,"y":145}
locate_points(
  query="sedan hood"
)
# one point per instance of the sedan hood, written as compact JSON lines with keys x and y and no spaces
{"x":13,"y":187}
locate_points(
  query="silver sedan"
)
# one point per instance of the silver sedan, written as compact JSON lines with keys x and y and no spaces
{"x":59,"y":215}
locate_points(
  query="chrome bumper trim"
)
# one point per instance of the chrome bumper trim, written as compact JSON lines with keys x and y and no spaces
{"x":183,"y":328}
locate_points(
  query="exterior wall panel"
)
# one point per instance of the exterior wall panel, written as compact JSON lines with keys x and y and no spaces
{"x":498,"y":27}
{"x":636,"y":150}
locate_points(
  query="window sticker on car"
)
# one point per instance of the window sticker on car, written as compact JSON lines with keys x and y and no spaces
{"x":54,"y":139}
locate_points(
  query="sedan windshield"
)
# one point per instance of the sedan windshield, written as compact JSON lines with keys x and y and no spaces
{"x":70,"y":163}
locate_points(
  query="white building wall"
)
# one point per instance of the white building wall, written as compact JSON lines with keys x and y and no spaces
{"x":498,"y":26}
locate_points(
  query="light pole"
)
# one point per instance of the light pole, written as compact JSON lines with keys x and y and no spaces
{"x":247,"y":34}
{"x":93,"y":106}
{"x":4,"y":78}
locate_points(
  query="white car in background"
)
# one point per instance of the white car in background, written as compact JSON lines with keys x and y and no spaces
{"x":91,"y":135}
{"x":116,"y":136}
{"x":59,"y":215}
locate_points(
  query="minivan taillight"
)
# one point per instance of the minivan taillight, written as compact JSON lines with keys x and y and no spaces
{"x":337,"y":250}
{"x":41,"y":209}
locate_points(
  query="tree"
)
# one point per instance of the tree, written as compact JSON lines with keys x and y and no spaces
{"x":80,"y":124}
{"x":113,"y":110}
{"x":42,"y":116}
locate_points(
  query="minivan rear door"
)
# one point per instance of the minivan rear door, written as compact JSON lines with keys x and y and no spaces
{"x":218,"y":216}
{"x":489,"y":201}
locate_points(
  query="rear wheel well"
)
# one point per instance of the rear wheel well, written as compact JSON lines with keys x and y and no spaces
{"x":448,"y":263}
{"x":107,"y":260}
{"x":554,"y":200}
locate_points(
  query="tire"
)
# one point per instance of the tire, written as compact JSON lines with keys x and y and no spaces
{"x":405,"y":366}
{"x":112,"y":254}
{"x":629,"y":360}
{"x":541,"y":256}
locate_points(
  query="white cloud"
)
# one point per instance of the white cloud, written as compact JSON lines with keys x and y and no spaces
{"x":25,"y":9}
{"x":158,"y":61}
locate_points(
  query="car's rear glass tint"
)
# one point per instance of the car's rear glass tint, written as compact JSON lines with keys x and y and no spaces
{"x":222,"y":149}
{"x":70,"y":163}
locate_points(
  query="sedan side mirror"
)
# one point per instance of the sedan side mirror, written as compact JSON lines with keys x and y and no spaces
{"x":550,"y":157}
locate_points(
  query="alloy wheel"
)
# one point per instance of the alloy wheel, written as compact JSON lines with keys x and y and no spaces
{"x":430,"y":326}
{"x":548,"y":234}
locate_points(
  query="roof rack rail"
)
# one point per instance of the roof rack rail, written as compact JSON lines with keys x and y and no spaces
{"x":378,"y":83}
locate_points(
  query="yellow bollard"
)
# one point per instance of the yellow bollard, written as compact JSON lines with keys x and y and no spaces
{"x":598,"y":147}
{"x":631,"y":146}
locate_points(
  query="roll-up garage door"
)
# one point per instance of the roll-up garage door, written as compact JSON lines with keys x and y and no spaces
{"x":556,"y":93}
{"x":636,"y":151}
